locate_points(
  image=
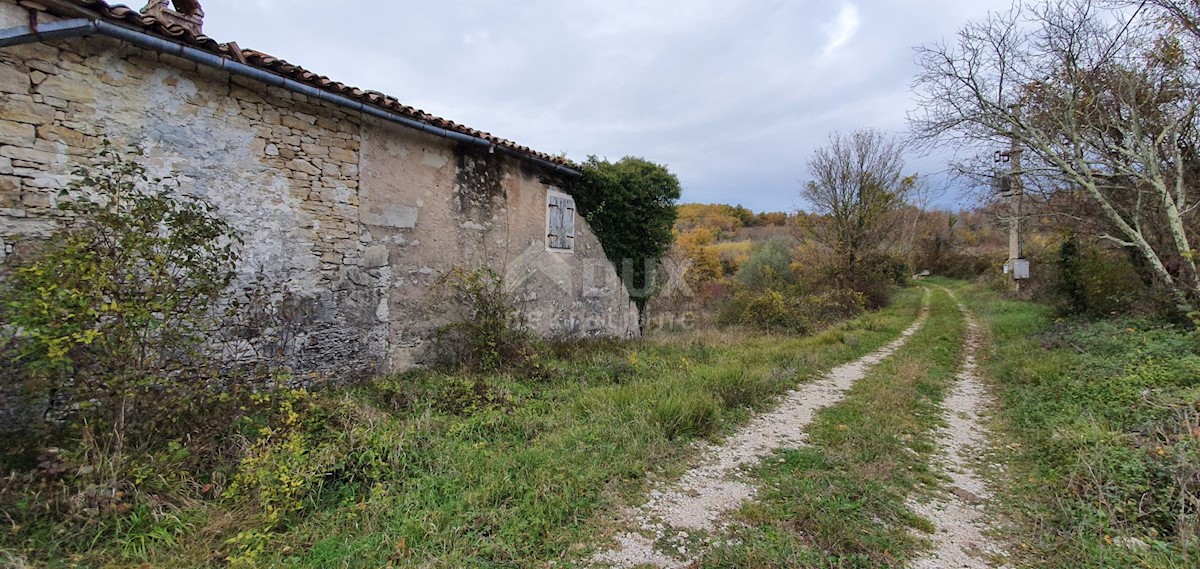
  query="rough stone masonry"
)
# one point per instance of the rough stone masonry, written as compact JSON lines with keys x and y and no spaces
{"x":356,"y":215}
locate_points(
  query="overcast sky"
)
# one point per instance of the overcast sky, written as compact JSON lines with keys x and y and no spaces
{"x":732,"y":95}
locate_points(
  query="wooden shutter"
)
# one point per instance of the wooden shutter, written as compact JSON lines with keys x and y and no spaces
{"x":568,"y":224}
{"x":560,"y":222}
{"x":554,"y":235}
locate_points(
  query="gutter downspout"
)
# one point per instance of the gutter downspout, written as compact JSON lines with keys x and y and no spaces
{"x":82,"y":27}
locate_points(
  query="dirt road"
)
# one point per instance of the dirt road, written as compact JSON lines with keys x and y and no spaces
{"x":681,"y":519}
{"x":703,"y":495}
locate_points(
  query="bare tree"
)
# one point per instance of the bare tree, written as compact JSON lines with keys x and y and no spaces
{"x":1101,"y":98}
{"x":857,"y":187}
{"x":919,"y":201}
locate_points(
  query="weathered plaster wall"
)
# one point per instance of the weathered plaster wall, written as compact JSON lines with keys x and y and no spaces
{"x":358,"y":216}
{"x":429,"y":205}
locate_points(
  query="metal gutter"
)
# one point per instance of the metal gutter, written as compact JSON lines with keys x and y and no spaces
{"x":82,"y":27}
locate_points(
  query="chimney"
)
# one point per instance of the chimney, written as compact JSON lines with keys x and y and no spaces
{"x":184,"y":13}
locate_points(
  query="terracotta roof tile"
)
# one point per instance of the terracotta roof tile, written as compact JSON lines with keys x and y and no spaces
{"x":149,"y":24}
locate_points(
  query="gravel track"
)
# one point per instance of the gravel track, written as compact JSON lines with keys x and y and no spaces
{"x":679,"y":514}
{"x":961,"y":539}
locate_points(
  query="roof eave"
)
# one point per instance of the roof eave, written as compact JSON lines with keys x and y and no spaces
{"x":206,"y":51}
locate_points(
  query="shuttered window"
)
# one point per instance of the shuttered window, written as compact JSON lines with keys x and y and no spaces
{"x":560,"y":221}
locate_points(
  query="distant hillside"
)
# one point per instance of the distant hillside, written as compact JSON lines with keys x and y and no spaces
{"x":732,"y":222}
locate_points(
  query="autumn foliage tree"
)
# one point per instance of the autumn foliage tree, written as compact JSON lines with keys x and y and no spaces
{"x":698,"y":247}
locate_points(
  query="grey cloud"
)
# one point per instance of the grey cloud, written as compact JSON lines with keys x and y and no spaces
{"x":732,"y":95}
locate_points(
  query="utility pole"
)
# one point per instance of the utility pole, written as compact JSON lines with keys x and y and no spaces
{"x":1018,"y":266}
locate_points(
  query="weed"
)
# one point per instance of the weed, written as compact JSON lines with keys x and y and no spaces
{"x":490,"y":334}
{"x":462,"y":396}
{"x":686,"y":414}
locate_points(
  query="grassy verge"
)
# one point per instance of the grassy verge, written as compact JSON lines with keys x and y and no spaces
{"x":841,"y":502}
{"x":437,"y":470}
{"x":1102,"y":425}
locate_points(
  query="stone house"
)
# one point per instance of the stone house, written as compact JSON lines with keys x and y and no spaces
{"x":347,"y":198}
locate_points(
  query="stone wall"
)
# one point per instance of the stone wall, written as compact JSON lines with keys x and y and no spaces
{"x":356,"y":215}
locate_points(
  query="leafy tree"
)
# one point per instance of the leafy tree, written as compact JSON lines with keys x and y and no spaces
{"x":770,"y":265}
{"x":745,"y":215}
{"x":1100,"y":97}
{"x":114,"y":309}
{"x":630,"y":204}
{"x":856,"y":189}
{"x":771,"y":218}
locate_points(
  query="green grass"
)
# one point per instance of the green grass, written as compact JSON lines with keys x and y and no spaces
{"x":1100,"y":430}
{"x":1098,"y":427}
{"x":841,"y":502}
{"x":437,"y":470}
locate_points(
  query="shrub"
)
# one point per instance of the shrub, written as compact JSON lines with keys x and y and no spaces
{"x":961,"y":265}
{"x":734,"y":254}
{"x":1093,"y":282}
{"x":767,"y":310}
{"x":490,"y":335}
{"x":876,"y":279}
{"x":109,"y":318}
{"x":790,"y":310}
{"x":829,"y":307}
{"x":769,"y":266}
{"x":280,"y":466}
{"x":118,"y":329}
{"x":303,"y":444}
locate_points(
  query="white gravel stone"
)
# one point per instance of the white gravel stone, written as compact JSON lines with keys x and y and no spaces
{"x":962,"y":538}
{"x":699,"y":499}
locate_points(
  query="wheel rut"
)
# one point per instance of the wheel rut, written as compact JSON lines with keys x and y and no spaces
{"x":677,"y":515}
{"x":961,"y":539}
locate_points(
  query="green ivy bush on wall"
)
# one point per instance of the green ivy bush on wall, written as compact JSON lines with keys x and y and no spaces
{"x":630,"y":205}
